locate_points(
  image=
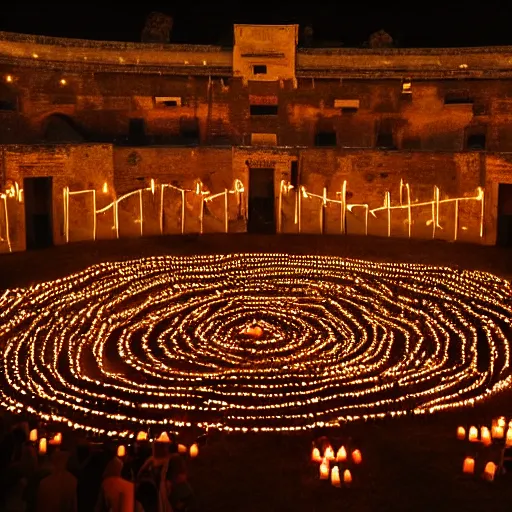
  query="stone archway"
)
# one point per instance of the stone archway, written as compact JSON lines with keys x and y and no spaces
{"x":59,"y":128}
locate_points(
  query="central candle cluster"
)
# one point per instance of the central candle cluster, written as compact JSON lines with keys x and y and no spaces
{"x":164,"y":341}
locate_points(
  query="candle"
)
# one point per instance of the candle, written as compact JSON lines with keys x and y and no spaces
{"x":329,"y":453}
{"x":315,"y":455}
{"x":121,"y":451}
{"x":56,"y":440}
{"x":182,"y":448}
{"x":485,"y":436}
{"x":33,"y":436}
{"x":341,"y":455}
{"x":42,"y":446}
{"x":498,"y":433}
{"x":142,"y":436}
{"x":357,"y":457}
{"x":163,"y":438}
{"x":194,"y":451}
{"x":508,"y":440}
{"x":324,"y":470}
{"x":347,"y":476}
{"x":468,"y":466}
{"x":461,"y":433}
{"x":473,"y":434}
{"x":489,"y":471}
{"x":335,"y":477}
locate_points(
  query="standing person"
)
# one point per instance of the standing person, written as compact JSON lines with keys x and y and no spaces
{"x":57,"y":492}
{"x":151,"y":480}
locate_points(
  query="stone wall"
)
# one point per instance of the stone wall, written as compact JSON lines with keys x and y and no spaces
{"x":369,"y":175}
{"x":438,"y":115}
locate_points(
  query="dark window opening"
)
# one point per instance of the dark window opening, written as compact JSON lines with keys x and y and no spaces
{"x":325,"y":139}
{"x":349,"y":110}
{"x":259,"y":69}
{"x":294,"y":174}
{"x":263,"y":110}
{"x":137,"y":132}
{"x":169,"y":103}
{"x":385,"y":138}
{"x":189,"y":131}
{"x":7,"y":105}
{"x":457,"y":100}
{"x":476,"y":141}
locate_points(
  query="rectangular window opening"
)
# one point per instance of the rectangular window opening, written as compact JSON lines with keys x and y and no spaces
{"x":263,"y":110}
{"x":476,"y":142}
{"x":450,"y":99}
{"x":259,"y":69}
{"x":168,"y":101}
{"x":325,"y":138}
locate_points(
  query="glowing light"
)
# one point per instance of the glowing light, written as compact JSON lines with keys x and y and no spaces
{"x":194,"y":451}
{"x":468,"y":466}
{"x":105,"y":188}
{"x":63,"y":81}
{"x":461,"y":433}
{"x":328,"y":354}
{"x":335,"y":477}
{"x":121,"y":451}
{"x":9,"y":79}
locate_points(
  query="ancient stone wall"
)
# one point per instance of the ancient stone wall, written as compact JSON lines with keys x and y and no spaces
{"x":116,"y":172}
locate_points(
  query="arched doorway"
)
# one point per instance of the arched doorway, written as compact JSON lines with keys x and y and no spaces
{"x":59,"y":128}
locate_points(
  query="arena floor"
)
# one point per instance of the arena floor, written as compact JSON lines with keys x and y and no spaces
{"x":409,"y":463}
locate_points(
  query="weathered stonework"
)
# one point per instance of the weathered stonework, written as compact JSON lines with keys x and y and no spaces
{"x":88,"y":113}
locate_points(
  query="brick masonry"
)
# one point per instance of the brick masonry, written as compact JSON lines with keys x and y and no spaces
{"x":67,"y":108}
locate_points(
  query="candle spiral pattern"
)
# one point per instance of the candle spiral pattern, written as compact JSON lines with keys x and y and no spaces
{"x":158,"y":341}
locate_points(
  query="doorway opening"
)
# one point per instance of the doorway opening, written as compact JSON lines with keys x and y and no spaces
{"x":38,"y":212}
{"x":262,"y":217}
{"x":504,"y":235}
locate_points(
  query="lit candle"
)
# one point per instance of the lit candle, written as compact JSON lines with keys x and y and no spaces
{"x":315,"y":455}
{"x":357,"y":457}
{"x":347,"y":476}
{"x":335,"y":477}
{"x":121,"y":451}
{"x":42,"y":446}
{"x":163,"y":438}
{"x":194,"y":451}
{"x":341,"y":456}
{"x":56,"y":440}
{"x":105,"y":188}
{"x":33,"y":436}
{"x":485,"y":436}
{"x":182,"y":448}
{"x":468,"y":466}
{"x":461,"y":433}
{"x":329,"y":453}
{"x":324,"y":470}
{"x":508,"y":440}
{"x":490,"y":471}
{"x":499,"y":433}
{"x":473,"y":434}
{"x":142,"y":436}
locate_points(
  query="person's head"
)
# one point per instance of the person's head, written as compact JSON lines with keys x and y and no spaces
{"x":114,"y":468}
{"x":160,"y":450}
{"x":59,"y":460}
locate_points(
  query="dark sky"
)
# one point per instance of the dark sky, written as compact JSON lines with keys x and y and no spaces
{"x":413,"y":23}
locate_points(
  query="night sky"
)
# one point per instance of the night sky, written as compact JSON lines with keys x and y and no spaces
{"x":412,"y":24}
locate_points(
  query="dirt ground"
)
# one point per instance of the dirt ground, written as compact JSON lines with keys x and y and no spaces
{"x":410,"y":464}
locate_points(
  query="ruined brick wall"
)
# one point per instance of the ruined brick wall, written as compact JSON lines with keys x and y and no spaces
{"x":369,"y":175}
{"x":78,"y":167}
